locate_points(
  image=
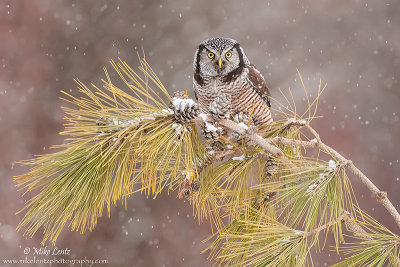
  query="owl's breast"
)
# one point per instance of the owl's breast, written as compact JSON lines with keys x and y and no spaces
{"x":209,"y":90}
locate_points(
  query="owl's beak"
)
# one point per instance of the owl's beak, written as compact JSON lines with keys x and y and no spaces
{"x":220,"y":63}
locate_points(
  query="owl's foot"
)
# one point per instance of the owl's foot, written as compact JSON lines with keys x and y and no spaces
{"x":220,"y":108}
{"x":185,"y":109}
{"x":244,"y":120}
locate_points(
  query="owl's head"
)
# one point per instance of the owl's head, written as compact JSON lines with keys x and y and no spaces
{"x":218,"y":57}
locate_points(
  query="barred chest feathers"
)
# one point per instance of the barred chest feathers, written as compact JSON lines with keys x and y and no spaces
{"x":214,"y":86}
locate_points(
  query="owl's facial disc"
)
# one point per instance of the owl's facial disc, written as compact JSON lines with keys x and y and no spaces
{"x":218,"y":57}
{"x":227,"y":61}
{"x":220,"y":63}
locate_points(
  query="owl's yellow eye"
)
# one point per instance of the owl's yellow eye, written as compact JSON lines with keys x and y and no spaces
{"x":228,"y":54}
{"x":210,"y":55}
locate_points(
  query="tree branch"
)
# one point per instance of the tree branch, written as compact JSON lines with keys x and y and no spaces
{"x":324,"y":226}
{"x":380,"y":196}
{"x":253,"y":136}
{"x":267,"y":145}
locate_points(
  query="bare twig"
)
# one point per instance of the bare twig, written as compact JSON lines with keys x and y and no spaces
{"x":345,"y":217}
{"x":323,"y":227}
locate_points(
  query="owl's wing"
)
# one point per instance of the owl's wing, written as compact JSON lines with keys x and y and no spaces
{"x":196,"y":79}
{"x":258,"y":83}
{"x":195,"y":92}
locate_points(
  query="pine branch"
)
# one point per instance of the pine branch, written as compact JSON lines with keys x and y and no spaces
{"x":262,"y":186}
{"x":324,"y":226}
{"x":380,"y":196}
{"x":267,"y":144}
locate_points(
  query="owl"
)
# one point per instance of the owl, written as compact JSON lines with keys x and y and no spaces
{"x":223,"y":74}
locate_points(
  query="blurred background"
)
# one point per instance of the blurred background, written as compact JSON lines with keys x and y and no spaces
{"x":353,"y":46}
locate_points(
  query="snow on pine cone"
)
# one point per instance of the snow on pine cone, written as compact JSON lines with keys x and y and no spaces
{"x":210,"y":132}
{"x":184,"y":109}
{"x":220,"y":108}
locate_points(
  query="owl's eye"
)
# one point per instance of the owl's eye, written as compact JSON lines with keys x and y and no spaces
{"x":210,"y":55}
{"x":228,"y":54}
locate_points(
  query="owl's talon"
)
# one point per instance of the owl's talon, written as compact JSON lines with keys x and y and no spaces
{"x":252,"y":129}
{"x":243,"y":118}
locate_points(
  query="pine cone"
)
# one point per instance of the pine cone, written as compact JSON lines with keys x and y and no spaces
{"x":101,"y":121}
{"x":195,"y":186}
{"x":188,"y":187}
{"x":210,"y":132}
{"x":220,"y":108}
{"x":270,"y":168}
{"x":184,"y":109}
